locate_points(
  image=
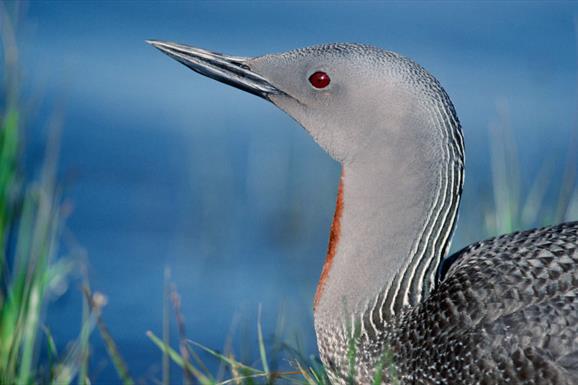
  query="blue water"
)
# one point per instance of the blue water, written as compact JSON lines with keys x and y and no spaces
{"x":168,"y":169}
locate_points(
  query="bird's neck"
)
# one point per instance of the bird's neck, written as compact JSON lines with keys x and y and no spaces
{"x":395,"y":213}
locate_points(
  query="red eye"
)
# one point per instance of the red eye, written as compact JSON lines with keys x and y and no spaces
{"x":319,"y":79}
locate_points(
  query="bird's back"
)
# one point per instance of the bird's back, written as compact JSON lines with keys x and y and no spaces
{"x":505,"y":311}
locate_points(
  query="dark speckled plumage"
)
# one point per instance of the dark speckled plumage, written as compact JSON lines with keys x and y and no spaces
{"x":512,"y":302}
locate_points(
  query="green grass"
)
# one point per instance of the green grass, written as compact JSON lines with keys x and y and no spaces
{"x":517,"y":206}
{"x":31,"y":222}
{"x":240,"y":373}
{"x":300,"y":371}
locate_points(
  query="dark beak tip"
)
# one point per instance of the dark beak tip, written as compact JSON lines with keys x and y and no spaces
{"x":159,"y":44}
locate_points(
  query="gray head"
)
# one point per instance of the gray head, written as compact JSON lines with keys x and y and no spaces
{"x":372,"y":94}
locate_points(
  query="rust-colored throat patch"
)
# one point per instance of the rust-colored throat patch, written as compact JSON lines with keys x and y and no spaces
{"x":334,"y":236}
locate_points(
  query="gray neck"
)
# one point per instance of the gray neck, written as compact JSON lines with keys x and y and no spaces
{"x":399,"y":205}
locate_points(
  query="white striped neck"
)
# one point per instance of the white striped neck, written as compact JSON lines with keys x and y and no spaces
{"x":396,"y":209}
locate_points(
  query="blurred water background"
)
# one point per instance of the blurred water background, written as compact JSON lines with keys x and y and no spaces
{"x":165,"y":168}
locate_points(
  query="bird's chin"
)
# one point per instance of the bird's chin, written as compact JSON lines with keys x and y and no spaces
{"x":291,"y":106}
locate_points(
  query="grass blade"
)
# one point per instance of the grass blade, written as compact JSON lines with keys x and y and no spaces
{"x":176,"y":299}
{"x":111,"y":348}
{"x":166,"y":328}
{"x":178,"y":359}
{"x":84,"y":341}
{"x":70,"y":366}
{"x":227,"y":360}
{"x":262,"y":350}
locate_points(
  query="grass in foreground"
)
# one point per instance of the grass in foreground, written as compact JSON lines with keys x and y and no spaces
{"x":311,"y":373}
{"x":31,"y":222}
{"x":301,"y":371}
{"x":29,"y":225}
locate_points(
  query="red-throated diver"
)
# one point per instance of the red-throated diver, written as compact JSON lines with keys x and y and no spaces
{"x":501,"y":311}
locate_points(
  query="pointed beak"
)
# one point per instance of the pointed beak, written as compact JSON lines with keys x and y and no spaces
{"x":231,"y":70}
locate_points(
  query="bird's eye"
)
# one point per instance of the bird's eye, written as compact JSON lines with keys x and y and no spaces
{"x":319,"y":79}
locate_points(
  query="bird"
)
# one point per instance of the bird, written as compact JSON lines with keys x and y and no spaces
{"x":391,"y":307}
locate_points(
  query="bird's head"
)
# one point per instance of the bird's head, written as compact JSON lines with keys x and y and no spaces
{"x":344,"y":95}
